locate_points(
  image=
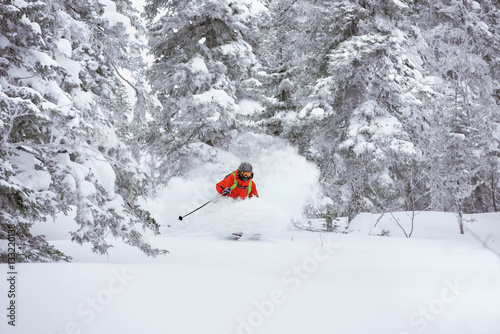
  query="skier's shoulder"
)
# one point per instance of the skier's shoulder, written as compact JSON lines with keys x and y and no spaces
{"x":231,"y":175}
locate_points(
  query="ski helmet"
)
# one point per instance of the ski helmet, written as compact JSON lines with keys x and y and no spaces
{"x":245,"y":171}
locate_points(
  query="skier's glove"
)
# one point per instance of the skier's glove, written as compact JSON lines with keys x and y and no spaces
{"x":226,"y":191}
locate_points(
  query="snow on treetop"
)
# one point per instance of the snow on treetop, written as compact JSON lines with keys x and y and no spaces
{"x":372,"y":128}
{"x":4,"y":42}
{"x":60,"y":99}
{"x":218,"y":96}
{"x":43,"y":58}
{"x":476,"y":5}
{"x":249,"y":107}
{"x":400,"y":4}
{"x":29,"y":176}
{"x":254,"y":7}
{"x":198,"y":65}
{"x":318,"y":112}
{"x":20,"y":3}
{"x":113,"y":17}
{"x":35,"y":26}
{"x":64,"y":46}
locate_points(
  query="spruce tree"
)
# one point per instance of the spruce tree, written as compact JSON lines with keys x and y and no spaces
{"x":202,"y":54}
{"x":62,"y":105}
{"x":363,"y":107}
{"x":461,"y":135}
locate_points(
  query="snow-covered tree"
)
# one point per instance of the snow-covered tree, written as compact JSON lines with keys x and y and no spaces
{"x":279,"y":54}
{"x":202,"y":53}
{"x":365,"y":105}
{"x":62,"y":104}
{"x":406,"y":115}
{"x":462,"y":132}
{"x":293,"y":52}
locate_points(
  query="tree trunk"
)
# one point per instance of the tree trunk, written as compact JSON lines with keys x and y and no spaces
{"x":493,"y":186}
{"x":460,"y":221}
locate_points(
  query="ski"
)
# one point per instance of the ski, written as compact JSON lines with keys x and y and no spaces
{"x":238,"y":235}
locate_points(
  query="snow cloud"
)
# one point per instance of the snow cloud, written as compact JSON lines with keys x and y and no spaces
{"x":285,"y":182}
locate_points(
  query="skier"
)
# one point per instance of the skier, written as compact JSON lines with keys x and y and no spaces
{"x":239,"y":183}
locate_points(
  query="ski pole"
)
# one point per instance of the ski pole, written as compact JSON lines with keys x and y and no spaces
{"x":181,"y":217}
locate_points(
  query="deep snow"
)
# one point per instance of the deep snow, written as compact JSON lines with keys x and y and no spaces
{"x":291,"y":281}
{"x":300,"y":282}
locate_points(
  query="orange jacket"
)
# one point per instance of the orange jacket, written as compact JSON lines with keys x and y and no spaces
{"x":240,"y":190}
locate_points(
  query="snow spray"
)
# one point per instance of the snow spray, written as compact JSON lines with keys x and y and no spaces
{"x":285,"y":181}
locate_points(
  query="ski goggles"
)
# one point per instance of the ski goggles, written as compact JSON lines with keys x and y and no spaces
{"x":246,"y":174}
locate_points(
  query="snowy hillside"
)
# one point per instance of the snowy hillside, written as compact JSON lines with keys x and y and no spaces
{"x":291,"y":281}
{"x":296,"y":282}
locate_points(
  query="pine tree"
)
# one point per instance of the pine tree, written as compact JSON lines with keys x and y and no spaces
{"x":363,"y":108}
{"x":62,"y":103}
{"x":405,"y":116}
{"x":293,"y":52}
{"x":279,"y":54}
{"x":202,"y":53}
{"x":461,"y":135}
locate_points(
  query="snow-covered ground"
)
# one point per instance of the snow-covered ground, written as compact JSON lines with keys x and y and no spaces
{"x":291,"y":281}
{"x":298,"y":282}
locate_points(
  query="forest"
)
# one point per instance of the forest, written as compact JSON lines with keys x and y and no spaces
{"x":102,"y":103}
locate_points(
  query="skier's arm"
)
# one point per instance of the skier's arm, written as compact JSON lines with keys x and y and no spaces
{"x":254,"y":191}
{"x":227,"y":182}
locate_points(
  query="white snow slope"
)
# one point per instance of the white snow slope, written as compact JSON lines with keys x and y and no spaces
{"x":300,"y":282}
{"x":291,"y":281}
